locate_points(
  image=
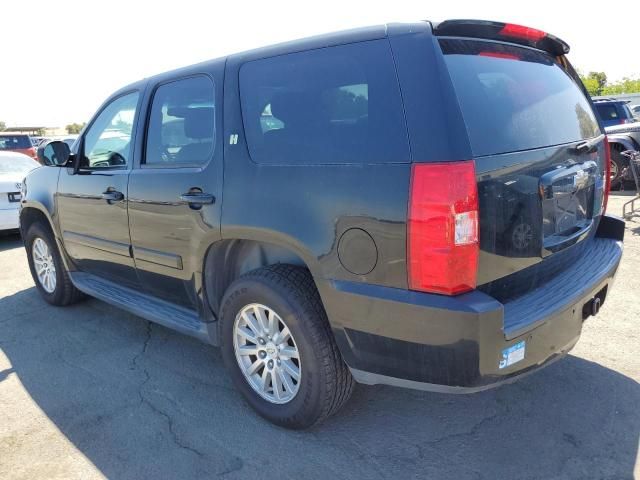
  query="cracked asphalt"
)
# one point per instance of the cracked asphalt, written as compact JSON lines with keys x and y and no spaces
{"x":90,"y":391}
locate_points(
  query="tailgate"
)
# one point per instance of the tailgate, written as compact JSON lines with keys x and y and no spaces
{"x":540,"y":160}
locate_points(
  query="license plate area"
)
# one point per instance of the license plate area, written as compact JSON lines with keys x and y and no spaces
{"x":568,"y":196}
{"x":14,"y":197}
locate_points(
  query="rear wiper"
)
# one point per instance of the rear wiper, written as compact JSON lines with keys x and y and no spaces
{"x":588,"y":145}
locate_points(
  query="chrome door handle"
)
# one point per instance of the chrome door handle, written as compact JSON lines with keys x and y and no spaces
{"x":198,"y":198}
{"x":112,"y":196}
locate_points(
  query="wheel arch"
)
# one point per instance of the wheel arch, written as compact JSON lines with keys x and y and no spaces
{"x":620,"y":143}
{"x":32,"y":213}
{"x":227,"y":260}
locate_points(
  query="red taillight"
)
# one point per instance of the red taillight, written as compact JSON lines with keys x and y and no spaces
{"x":442,"y":228}
{"x":607,"y":175}
{"x":33,"y":153}
{"x":520,"y":31}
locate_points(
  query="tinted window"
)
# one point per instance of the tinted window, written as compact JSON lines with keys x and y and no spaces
{"x":607,"y":111}
{"x":181,"y":126}
{"x":331,"y":105}
{"x":107,"y":143}
{"x":13,"y":142}
{"x":515,"y":98}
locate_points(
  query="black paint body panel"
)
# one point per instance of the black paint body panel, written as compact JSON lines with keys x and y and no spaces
{"x":181,"y":259}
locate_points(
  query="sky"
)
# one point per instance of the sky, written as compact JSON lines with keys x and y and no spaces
{"x":62,"y":58}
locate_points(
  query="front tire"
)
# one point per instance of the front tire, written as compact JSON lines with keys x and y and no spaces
{"x":47,"y":268}
{"x":278,"y":347}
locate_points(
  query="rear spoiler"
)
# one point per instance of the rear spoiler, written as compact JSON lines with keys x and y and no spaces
{"x":506,"y":32}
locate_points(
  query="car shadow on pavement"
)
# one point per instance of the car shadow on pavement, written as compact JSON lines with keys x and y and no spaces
{"x":9,"y":240}
{"x":140,"y":401}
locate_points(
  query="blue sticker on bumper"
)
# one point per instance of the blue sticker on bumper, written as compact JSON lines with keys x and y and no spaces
{"x":512,"y":355}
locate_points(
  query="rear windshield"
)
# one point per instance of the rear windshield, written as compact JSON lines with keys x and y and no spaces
{"x":17,"y":165}
{"x":13,"y":142}
{"x":607,"y":111}
{"x":515,"y":98}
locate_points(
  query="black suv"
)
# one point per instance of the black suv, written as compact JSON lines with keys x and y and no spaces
{"x":419,"y":205}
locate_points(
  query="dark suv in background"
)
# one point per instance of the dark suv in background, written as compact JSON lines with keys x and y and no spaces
{"x":420,"y":205}
{"x":613,"y":112}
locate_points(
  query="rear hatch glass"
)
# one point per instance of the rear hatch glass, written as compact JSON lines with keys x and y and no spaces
{"x":514,"y":98}
{"x":607,"y":111}
{"x":14,"y":142}
{"x":539,"y":156}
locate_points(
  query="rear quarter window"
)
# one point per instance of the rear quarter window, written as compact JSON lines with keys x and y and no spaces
{"x":331,"y":105}
{"x":515,"y":98}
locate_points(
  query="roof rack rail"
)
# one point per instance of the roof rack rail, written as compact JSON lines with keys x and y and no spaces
{"x":606,"y":99}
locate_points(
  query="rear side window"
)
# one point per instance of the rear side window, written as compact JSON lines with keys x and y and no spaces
{"x":13,"y":142}
{"x":181,"y":127}
{"x":607,"y":111}
{"x":515,"y":98}
{"x":331,"y":105}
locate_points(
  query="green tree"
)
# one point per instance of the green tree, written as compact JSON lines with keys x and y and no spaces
{"x":591,"y":84}
{"x":594,"y":82}
{"x":599,"y":77}
{"x":3,"y":126}
{"x":74,"y":128}
{"x":626,"y":85}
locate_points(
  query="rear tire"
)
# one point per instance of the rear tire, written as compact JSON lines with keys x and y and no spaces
{"x":286,"y":293}
{"x":47,"y":268}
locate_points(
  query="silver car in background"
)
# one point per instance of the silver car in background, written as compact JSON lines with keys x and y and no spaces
{"x":13,"y":169}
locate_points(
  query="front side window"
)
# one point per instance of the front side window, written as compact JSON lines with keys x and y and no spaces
{"x":181,"y":127}
{"x":330,"y":105}
{"x":107,"y":143}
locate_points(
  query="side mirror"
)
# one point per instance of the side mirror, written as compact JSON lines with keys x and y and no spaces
{"x":56,"y":154}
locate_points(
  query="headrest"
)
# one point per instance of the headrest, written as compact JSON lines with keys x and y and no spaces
{"x":199,"y":122}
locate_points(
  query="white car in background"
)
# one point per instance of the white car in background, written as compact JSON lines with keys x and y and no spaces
{"x":13,"y":168}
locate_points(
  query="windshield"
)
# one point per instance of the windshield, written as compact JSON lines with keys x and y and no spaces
{"x":515,"y":98}
{"x":17,"y":165}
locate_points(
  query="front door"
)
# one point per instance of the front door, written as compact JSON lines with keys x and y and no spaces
{"x":92,"y":203}
{"x":175,"y":194}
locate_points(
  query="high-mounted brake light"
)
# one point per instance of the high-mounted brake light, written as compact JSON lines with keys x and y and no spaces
{"x":443,"y":245}
{"x":507,"y":56}
{"x":607,"y":175}
{"x":519,"y":31}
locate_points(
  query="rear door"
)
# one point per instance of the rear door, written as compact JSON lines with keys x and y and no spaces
{"x":175,"y":191}
{"x":539,"y":156}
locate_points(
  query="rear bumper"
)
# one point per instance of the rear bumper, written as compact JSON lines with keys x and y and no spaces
{"x":460,"y":344}
{"x":9,"y":219}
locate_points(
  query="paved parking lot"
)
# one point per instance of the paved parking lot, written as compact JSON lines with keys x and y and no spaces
{"x":90,"y":392}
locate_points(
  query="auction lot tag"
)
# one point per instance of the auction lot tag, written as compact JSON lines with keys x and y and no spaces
{"x":512,"y":355}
